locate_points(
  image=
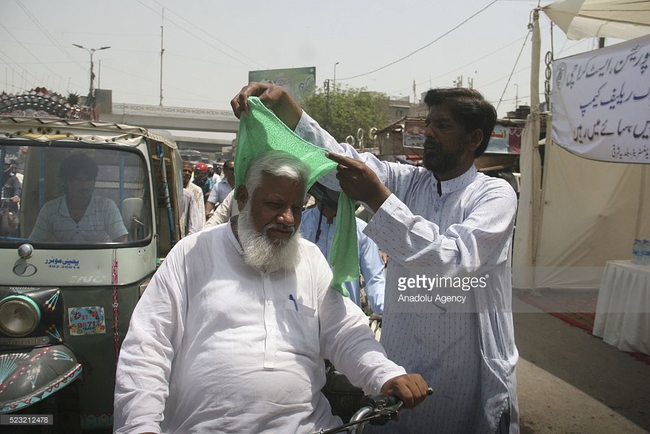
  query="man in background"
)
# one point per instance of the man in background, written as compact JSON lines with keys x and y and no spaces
{"x":319,"y":225}
{"x":193,"y":201}
{"x":222,"y":188}
{"x":202,"y":180}
{"x":11,"y":188}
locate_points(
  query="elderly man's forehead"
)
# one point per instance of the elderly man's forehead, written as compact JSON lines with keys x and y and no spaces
{"x":278,"y":184}
{"x":270,"y":177}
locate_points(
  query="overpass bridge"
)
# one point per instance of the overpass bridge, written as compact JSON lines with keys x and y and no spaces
{"x":175,"y":120}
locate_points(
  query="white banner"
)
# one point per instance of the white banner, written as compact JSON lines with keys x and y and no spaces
{"x":601,"y":103}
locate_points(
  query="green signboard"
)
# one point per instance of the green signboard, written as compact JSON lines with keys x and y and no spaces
{"x":299,"y":82}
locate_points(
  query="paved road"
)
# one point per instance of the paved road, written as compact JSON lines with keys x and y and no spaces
{"x":572,"y":382}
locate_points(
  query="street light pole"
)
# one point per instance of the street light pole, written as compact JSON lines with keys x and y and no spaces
{"x":334,"y":81}
{"x":91,"y":51}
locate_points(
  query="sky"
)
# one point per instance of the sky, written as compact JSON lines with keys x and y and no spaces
{"x":210,"y":46}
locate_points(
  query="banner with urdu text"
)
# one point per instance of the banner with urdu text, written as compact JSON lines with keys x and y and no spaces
{"x":601,"y":103}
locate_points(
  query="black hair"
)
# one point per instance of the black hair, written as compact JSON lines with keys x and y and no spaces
{"x":469,"y":107}
{"x":76,"y":163}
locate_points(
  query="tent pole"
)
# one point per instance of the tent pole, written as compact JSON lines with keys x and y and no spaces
{"x":640,"y":224}
{"x":535,"y":123}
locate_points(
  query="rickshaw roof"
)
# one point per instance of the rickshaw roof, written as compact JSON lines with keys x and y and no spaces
{"x":50,"y":129}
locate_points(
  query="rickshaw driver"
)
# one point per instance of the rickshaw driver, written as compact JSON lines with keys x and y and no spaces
{"x":80,"y":216}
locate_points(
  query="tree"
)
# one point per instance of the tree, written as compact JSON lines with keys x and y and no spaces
{"x":73,"y":98}
{"x":348,"y":110}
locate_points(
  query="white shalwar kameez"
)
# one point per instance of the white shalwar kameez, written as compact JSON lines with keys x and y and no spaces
{"x":216,"y":346}
{"x":459,"y":338}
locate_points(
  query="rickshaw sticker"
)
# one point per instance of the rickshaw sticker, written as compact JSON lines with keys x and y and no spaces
{"x":65,"y":264}
{"x":86,"y":320}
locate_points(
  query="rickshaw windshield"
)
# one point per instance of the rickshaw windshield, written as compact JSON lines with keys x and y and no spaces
{"x":64,"y":195}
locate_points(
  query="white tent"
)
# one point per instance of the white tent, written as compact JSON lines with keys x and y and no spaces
{"x":579,"y":213}
{"x":620,"y":19}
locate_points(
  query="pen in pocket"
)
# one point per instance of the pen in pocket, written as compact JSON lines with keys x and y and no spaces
{"x":295,"y":303}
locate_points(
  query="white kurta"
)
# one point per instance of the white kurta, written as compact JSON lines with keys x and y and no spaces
{"x":464,"y":345}
{"x":194,"y":210}
{"x":217,"y":346}
{"x":222,"y":213}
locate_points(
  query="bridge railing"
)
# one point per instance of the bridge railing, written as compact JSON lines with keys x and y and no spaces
{"x":154,"y":110}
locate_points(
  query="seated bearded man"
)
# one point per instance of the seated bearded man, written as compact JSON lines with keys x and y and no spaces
{"x":231,"y":334}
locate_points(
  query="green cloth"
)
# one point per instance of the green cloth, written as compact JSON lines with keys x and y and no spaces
{"x":261,"y":131}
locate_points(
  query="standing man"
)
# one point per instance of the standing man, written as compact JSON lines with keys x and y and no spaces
{"x":202,"y":180}
{"x":447,"y":230}
{"x":318,"y":226}
{"x":217,"y":173}
{"x":11,"y":193}
{"x":193,"y":209}
{"x":238,"y":347}
{"x":222,"y":188}
{"x":211,"y":173}
{"x":11,"y":188}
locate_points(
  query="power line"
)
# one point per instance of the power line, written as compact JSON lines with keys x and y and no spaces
{"x":28,"y":51}
{"x":421,"y":48}
{"x":470,"y":63}
{"x":212,"y":36}
{"x":530,"y":30}
{"x":45,"y":32}
{"x":201,"y":39}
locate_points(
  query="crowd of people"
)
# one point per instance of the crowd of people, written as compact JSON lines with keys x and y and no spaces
{"x":239,"y":346}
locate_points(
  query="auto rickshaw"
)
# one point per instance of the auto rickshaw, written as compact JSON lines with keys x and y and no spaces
{"x":66,"y":302}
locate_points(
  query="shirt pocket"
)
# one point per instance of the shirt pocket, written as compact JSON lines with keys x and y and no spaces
{"x":302,"y":309}
{"x":298,"y":324}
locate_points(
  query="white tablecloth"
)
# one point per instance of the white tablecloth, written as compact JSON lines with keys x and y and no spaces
{"x":623,"y":309}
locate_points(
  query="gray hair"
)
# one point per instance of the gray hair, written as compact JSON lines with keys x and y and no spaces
{"x":275,"y":163}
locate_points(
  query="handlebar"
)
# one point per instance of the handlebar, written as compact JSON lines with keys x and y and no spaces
{"x":377,"y":410}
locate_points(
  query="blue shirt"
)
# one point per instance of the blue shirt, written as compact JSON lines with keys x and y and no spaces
{"x":370,"y":263}
{"x":219,"y":191}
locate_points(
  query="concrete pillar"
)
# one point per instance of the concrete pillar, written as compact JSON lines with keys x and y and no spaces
{"x":104,"y":101}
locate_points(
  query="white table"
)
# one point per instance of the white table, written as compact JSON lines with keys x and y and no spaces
{"x":623,"y":309}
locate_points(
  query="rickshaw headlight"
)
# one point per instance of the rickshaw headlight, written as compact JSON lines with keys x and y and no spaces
{"x":19,"y":316}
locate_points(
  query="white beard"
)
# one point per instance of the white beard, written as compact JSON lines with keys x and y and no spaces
{"x":260,"y":252}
